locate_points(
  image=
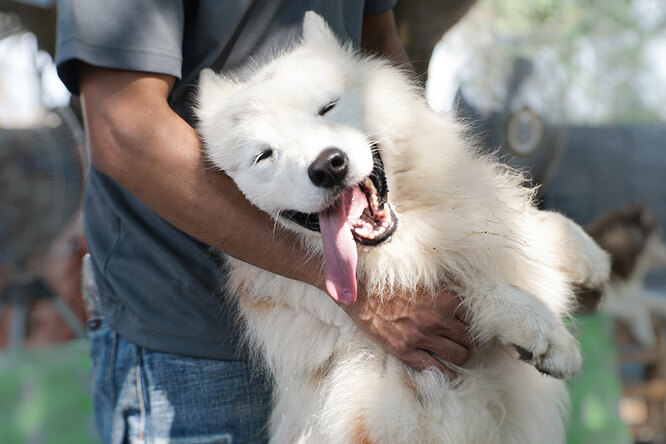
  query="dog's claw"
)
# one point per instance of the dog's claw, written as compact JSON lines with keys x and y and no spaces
{"x":528,"y":357}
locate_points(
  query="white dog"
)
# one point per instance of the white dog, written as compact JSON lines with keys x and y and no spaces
{"x":324,"y":140}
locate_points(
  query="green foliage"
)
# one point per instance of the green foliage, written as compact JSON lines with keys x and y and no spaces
{"x":44,"y":395}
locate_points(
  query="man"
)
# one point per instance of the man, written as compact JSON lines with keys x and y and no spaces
{"x":169,"y":366}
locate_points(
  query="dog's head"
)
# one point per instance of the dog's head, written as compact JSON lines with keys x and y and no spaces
{"x":292,"y":136}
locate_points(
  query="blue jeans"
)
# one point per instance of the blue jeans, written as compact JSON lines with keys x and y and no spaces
{"x":143,"y":396}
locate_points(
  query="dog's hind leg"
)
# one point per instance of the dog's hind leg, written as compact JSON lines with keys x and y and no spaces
{"x":572,"y":250}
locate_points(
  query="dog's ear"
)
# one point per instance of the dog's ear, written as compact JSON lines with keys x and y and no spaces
{"x":316,"y":30}
{"x":212,"y":90}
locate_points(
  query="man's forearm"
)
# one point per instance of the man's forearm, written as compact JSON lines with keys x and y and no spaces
{"x":379,"y":36}
{"x":163,"y":165}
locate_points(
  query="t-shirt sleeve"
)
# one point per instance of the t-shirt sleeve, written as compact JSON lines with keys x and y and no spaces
{"x":376,"y":7}
{"x":143,"y":35}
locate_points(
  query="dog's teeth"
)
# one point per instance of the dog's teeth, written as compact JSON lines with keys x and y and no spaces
{"x":367,"y":183}
{"x":374,"y":202}
{"x":362,"y":231}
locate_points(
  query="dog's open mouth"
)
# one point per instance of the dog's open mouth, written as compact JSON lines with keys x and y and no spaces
{"x":376,"y":222}
{"x":360,"y":214}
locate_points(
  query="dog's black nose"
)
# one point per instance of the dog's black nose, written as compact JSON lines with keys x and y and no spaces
{"x":329,"y":168}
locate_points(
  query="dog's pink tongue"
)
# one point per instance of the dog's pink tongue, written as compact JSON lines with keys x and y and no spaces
{"x":339,"y":245}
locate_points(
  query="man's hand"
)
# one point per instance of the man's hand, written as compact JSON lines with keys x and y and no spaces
{"x":413,"y":329}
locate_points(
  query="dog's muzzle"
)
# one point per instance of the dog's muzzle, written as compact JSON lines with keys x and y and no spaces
{"x":377,"y":222}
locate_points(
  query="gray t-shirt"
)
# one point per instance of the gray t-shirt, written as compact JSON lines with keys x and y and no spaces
{"x":159,"y":287}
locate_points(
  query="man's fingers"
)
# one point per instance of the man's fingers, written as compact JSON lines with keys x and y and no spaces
{"x":448,"y":350}
{"x":455,"y":330}
{"x":450,"y":302}
{"x":423,"y":360}
{"x":414,"y":330}
{"x":431,"y":354}
{"x":447,"y":339}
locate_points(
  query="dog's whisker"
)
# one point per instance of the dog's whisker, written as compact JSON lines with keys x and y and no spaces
{"x":275,"y":220}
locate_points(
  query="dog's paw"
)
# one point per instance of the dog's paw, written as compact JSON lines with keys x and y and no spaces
{"x":561,"y":358}
{"x":524,"y":322}
{"x":550,"y":348}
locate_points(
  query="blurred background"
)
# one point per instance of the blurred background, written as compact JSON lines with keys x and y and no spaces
{"x":574,"y":92}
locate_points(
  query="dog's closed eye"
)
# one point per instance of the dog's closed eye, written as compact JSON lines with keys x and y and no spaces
{"x":265,"y":154}
{"x":329,"y":106}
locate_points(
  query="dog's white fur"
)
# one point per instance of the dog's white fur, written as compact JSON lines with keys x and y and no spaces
{"x":465,"y":222}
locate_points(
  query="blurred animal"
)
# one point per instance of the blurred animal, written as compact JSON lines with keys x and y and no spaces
{"x":344,"y":151}
{"x":632,"y":236}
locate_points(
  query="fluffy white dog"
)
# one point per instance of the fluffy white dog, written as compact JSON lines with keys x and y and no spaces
{"x":344,"y":151}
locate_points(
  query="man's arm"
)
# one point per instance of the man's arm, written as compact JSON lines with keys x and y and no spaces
{"x":137,"y":139}
{"x":379,"y":35}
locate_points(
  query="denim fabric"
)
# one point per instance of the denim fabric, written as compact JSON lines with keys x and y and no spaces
{"x":143,"y":396}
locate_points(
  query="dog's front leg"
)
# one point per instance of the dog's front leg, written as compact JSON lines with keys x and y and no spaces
{"x":524,"y":323}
